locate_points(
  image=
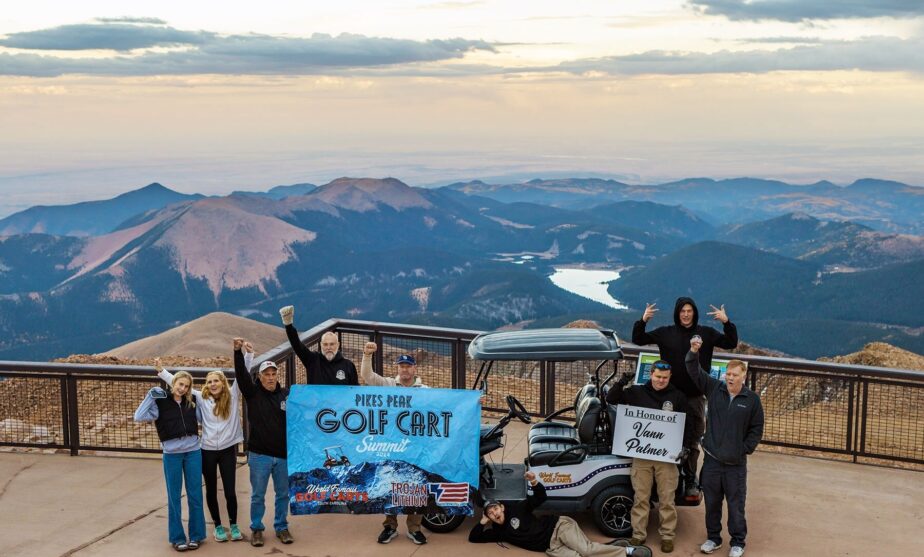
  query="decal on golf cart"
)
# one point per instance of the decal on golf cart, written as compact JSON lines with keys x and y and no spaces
{"x":372,"y":450}
{"x":648,"y":433}
{"x":592,"y":469}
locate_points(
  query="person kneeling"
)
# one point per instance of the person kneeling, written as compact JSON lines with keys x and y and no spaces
{"x":515,"y":523}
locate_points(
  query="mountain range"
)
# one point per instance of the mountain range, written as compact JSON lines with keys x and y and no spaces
{"x":469,"y":255}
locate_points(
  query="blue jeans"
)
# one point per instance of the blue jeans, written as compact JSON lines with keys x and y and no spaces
{"x":262,"y":467}
{"x":178,"y":468}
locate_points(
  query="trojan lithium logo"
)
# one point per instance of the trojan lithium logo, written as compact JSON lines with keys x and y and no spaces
{"x":447,"y":494}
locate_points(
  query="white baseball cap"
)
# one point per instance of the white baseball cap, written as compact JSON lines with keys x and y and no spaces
{"x":267,"y":364}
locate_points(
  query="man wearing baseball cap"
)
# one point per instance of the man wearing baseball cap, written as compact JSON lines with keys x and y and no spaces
{"x":266,"y":446}
{"x":406,"y":376}
{"x":559,"y":536}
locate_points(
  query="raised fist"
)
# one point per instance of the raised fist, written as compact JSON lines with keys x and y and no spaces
{"x":288,"y":315}
{"x":369,"y":349}
{"x":238,"y":343}
{"x":695,"y":343}
{"x":248,"y":347}
{"x":158,"y":364}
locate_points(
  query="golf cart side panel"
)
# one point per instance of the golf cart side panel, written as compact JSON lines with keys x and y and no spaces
{"x":546,"y":344}
{"x":573,"y":487}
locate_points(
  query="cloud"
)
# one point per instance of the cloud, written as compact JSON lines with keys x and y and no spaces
{"x":780,"y":40}
{"x":231,"y":55}
{"x":869,"y":54}
{"x":806,"y":10}
{"x":128,"y":19}
{"x":104,"y":36}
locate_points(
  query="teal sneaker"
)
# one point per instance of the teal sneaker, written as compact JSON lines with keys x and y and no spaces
{"x":236,"y":533}
{"x":220,"y":534}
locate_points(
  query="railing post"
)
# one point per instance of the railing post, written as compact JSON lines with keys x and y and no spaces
{"x":379,"y":362}
{"x":458,"y":364}
{"x":851,"y":393}
{"x":291,"y":375}
{"x":864,"y":403}
{"x":65,"y":422}
{"x":73,"y":423}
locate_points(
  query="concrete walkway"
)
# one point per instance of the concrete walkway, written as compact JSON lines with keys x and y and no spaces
{"x":57,"y":505}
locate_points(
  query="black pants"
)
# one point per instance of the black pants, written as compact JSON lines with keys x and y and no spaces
{"x":696,"y":414}
{"x":224,"y":461}
{"x":725,"y":483}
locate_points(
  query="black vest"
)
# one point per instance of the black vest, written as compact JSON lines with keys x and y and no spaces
{"x":175,"y":421}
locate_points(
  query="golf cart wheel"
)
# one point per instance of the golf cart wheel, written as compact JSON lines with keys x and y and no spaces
{"x":612,"y":510}
{"x":442,"y":523}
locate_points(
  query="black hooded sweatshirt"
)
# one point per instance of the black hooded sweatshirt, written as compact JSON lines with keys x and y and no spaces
{"x":320,"y":370}
{"x":521,"y":527}
{"x":674,"y":342}
{"x":266,"y":412}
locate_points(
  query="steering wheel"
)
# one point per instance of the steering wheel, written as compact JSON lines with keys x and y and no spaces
{"x":517,"y":409}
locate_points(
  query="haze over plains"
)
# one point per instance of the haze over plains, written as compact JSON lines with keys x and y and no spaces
{"x":209,"y":97}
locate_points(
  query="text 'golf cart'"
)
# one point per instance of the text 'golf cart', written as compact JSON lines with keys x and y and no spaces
{"x":573,"y":458}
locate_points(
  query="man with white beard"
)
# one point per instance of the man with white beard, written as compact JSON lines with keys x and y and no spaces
{"x":327,"y":367}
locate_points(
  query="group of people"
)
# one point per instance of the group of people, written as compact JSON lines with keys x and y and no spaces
{"x":726,"y":416}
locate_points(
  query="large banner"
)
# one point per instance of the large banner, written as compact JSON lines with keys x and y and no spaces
{"x":648,"y":433}
{"x":373,"y":450}
{"x":645,"y":359}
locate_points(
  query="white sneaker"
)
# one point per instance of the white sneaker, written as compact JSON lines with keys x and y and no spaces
{"x":709,"y":546}
{"x":736,"y":551}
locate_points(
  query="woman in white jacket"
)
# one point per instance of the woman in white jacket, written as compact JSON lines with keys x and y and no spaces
{"x":221,"y":432}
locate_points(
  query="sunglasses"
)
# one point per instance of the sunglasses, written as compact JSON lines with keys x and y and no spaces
{"x":662,"y":366}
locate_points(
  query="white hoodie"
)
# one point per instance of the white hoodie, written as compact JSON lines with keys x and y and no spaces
{"x":218,"y":434}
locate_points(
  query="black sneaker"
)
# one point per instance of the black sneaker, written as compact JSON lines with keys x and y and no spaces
{"x":417,"y":537}
{"x":387,"y":535}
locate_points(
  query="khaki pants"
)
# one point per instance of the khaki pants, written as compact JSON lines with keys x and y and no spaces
{"x":569,"y":541}
{"x":413,"y":522}
{"x":644,"y":472}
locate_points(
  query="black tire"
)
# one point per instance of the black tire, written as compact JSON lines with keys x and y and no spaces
{"x":612,"y":509}
{"x":441,"y":523}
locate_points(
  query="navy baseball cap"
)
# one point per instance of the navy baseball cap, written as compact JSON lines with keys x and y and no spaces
{"x":406,"y":359}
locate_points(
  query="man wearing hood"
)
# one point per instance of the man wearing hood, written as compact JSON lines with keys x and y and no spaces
{"x":327,"y":367}
{"x":673,"y":343}
{"x":657,"y":394}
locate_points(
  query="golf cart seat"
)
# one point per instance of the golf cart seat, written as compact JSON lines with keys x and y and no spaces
{"x":542,"y":454}
{"x":587,"y":416}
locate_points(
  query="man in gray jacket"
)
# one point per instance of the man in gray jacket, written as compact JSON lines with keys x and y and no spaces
{"x":734,"y":427}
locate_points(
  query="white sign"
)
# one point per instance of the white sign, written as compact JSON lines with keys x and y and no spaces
{"x":648,"y":433}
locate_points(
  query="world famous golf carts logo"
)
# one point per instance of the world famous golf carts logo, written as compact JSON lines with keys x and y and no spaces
{"x":332,"y":494}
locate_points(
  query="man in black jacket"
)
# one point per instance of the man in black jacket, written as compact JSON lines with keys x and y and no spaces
{"x":658,"y":394}
{"x":515,"y":523}
{"x":266,"y":445}
{"x":327,"y":367}
{"x":673,"y":343}
{"x":734,"y":427}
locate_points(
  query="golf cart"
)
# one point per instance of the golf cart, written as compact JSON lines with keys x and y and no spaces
{"x":573,"y":458}
{"x":334,"y":457}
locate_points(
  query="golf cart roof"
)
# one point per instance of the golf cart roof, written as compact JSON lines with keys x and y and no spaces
{"x":546,"y":344}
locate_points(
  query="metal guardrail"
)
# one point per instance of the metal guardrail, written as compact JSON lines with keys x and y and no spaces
{"x":861,"y":413}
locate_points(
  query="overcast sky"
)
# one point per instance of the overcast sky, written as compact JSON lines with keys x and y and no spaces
{"x":97,"y":98}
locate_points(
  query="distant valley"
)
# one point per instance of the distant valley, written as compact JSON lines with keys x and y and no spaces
{"x":808,"y":270}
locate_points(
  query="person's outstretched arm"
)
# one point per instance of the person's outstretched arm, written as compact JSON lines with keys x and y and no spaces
{"x":242,"y":377}
{"x":728,"y":338}
{"x":538,"y":497}
{"x":369,"y":376}
{"x":703,"y":381}
{"x":639,"y":335}
{"x":288,"y":319}
{"x":147,"y":411}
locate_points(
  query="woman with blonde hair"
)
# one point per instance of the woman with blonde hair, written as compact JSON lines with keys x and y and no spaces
{"x":176,"y":416}
{"x":221,"y":432}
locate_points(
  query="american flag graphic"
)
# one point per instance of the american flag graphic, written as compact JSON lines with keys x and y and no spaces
{"x":447,"y":493}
